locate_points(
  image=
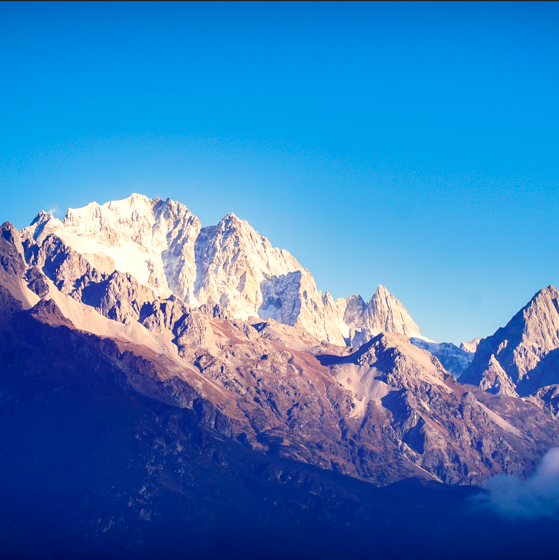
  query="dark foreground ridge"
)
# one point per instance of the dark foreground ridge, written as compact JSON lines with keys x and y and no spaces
{"x":91,"y":469}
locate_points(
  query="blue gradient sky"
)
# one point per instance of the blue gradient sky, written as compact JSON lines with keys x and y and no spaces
{"x":410,"y":145}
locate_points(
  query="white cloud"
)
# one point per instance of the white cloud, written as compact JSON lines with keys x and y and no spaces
{"x":536,"y":496}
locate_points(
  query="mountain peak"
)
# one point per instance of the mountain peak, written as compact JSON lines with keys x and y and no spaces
{"x":550,"y":293}
{"x":387,"y":314}
{"x":41,"y":217}
{"x":231,"y":221}
{"x":525,"y":349}
{"x":381,"y":291}
{"x":231,"y":217}
{"x":383,"y":313}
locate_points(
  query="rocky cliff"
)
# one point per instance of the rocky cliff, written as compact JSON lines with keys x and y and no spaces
{"x":164,"y":249}
{"x":523,"y":356}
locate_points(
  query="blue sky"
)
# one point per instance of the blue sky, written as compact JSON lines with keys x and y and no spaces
{"x":410,"y":145}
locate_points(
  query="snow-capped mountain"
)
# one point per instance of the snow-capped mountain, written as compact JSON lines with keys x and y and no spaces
{"x":218,"y":321}
{"x":386,"y":411}
{"x":163,"y":246}
{"x":162,"y":354}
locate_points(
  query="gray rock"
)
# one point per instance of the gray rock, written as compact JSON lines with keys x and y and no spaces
{"x":454,"y":359}
{"x":547,"y":398}
{"x":36,"y":281}
{"x":11,"y":251}
{"x":523,"y":356}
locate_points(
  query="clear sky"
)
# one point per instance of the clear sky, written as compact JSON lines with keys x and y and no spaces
{"x":410,"y":145}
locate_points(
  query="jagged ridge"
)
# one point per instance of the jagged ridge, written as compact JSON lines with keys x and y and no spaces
{"x":164,"y":247}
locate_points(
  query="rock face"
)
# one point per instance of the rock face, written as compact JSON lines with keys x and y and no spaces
{"x":523,"y":356}
{"x":383,"y":313}
{"x":163,"y":247}
{"x":11,"y":251}
{"x":451,"y":431}
{"x":454,"y":359}
{"x":386,"y":314}
{"x":470,"y":346}
{"x":547,"y":398}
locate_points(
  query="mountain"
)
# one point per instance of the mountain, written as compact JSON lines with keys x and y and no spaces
{"x":163,"y":246}
{"x":471,"y":346}
{"x":454,"y":359}
{"x":522,"y":357}
{"x":92,"y":469}
{"x":172,"y":385}
{"x":383,"y":313}
{"x":383,"y":412}
{"x":454,"y":432}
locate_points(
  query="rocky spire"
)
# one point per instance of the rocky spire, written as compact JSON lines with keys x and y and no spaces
{"x":385,"y":313}
{"x":523,"y":356}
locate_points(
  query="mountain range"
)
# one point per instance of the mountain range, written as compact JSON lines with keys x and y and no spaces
{"x":211,"y":355}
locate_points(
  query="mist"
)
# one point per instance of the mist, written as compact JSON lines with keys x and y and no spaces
{"x":530,"y":498}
